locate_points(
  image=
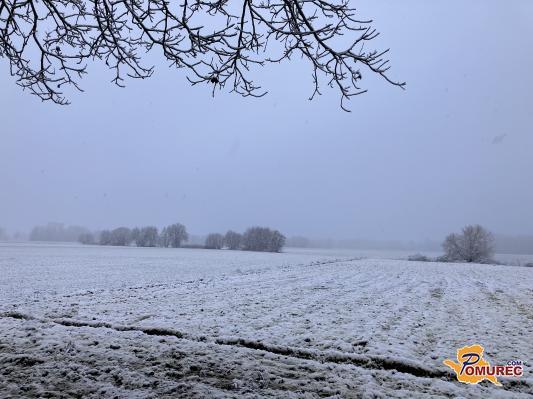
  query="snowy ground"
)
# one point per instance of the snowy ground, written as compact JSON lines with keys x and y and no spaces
{"x":127,"y":323}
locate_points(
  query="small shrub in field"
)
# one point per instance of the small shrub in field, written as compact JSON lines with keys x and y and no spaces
{"x":418,"y":258}
{"x":473,"y":244}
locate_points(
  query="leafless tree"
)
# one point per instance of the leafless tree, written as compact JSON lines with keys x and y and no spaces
{"x":173,"y":235}
{"x":48,"y":43}
{"x":146,"y":237}
{"x":121,"y":236}
{"x":474,"y":244}
{"x":105,"y":237}
{"x":135,"y":234}
{"x":214,"y":241}
{"x":233,"y":240}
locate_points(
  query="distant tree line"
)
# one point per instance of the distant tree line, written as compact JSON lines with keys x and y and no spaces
{"x":173,"y":236}
{"x":16,"y":236}
{"x":57,"y":232}
{"x":457,"y":246}
{"x":149,"y":236}
{"x":254,"y":239}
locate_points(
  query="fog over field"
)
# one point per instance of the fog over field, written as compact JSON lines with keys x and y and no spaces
{"x":454,"y":148}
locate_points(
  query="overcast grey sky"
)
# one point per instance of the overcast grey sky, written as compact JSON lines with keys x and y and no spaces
{"x":456,"y":147}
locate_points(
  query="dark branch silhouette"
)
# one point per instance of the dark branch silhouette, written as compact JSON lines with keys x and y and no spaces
{"x":49,"y":42}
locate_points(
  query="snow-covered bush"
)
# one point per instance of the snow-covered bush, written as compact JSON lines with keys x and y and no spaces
{"x":263,"y":239}
{"x":474,"y":244}
{"x":418,"y":258}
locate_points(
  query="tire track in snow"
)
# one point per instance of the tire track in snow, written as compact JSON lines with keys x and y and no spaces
{"x":367,"y":362}
{"x":76,"y":323}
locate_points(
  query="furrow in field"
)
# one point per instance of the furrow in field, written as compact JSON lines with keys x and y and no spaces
{"x":370,"y":362}
{"x":99,"y":362}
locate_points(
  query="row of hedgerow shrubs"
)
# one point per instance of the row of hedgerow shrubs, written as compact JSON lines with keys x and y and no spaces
{"x":254,"y":239}
{"x":175,"y":235}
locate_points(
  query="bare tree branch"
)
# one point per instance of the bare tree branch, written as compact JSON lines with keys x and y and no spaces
{"x":49,"y":43}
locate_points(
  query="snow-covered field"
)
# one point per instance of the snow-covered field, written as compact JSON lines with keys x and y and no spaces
{"x":133,"y":322}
